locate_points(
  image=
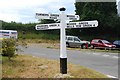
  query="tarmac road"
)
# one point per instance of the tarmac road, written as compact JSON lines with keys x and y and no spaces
{"x":103,"y":62}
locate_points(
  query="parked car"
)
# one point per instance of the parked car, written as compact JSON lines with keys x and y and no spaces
{"x":101,"y":43}
{"x":74,"y":41}
{"x":117,"y":43}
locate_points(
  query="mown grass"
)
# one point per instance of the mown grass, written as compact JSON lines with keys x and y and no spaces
{"x":24,"y":66}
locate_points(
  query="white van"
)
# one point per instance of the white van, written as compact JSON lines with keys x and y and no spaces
{"x":8,"y":34}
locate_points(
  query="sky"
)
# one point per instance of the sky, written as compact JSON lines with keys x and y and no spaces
{"x":24,"y":10}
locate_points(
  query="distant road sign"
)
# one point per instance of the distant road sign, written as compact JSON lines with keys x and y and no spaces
{"x":47,"y":26}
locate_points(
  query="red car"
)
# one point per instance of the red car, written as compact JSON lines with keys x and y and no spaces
{"x":101,"y":43}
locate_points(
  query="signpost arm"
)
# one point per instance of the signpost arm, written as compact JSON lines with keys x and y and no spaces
{"x":63,"y":55}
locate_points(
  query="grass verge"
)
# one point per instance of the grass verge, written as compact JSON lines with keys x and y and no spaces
{"x":25,"y":66}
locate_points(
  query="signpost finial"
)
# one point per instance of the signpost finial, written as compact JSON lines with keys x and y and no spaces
{"x":62,"y":9}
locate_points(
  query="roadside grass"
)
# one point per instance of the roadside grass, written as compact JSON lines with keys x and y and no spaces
{"x":26,"y":66}
{"x":44,"y":36}
{"x":38,"y":41}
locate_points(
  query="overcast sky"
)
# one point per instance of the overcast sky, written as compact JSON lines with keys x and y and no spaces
{"x":24,"y":10}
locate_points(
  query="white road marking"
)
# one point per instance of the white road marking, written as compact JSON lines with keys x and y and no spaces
{"x":106,"y":55}
{"x":115,"y":57}
{"x":111,"y":76}
{"x":96,"y":53}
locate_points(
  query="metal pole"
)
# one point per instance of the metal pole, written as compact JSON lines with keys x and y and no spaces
{"x":63,"y":55}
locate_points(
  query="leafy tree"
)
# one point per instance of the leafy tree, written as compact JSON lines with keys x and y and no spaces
{"x":104,"y":12}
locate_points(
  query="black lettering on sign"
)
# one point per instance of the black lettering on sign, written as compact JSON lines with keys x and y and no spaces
{"x":78,"y":26}
{"x":83,"y":23}
{"x":71,"y":23}
{"x":70,"y":26}
{"x":87,"y":25}
{"x":40,"y":14}
{"x":53,"y":25}
{"x":72,"y":18}
{"x":70,"y":15}
{"x":54,"y":15}
{"x":42,"y":27}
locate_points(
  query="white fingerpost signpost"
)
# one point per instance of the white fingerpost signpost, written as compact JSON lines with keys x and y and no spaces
{"x":63,"y":55}
{"x":62,"y":26}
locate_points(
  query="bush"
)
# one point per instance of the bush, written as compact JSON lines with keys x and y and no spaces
{"x":8,"y":47}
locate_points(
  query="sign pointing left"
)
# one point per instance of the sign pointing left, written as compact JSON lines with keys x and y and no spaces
{"x":47,"y":16}
{"x":47,"y":26}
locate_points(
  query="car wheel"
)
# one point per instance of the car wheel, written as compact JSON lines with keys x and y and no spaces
{"x":92,"y":46}
{"x":67,"y":44}
{"x":83,"y":46}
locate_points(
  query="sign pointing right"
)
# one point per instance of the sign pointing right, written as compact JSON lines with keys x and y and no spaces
{"x":82,"y":24}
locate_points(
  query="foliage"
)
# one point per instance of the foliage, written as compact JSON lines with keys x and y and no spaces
{"x":95,"y":10}
{"x":8,"y":47}
{"x":47,"y":21}
{"x":18,"y":26}
{"x":104,"y":12}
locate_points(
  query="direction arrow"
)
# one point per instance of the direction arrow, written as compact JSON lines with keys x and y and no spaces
{"x":81,"y":24}
{"x":55,"y":16}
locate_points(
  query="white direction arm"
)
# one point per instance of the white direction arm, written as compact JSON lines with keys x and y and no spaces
{"x":81,"y":24}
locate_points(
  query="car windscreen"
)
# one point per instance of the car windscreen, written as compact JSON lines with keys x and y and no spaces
{"x":117,"y":42}
{"x":105,"y":41}
{"x":76,"y":39}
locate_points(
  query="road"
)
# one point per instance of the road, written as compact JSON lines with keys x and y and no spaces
{"x":103,"y":62}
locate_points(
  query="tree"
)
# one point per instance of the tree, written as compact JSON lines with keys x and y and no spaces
{"x":104,"y":12}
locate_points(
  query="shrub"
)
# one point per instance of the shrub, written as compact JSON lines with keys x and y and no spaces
{"x":8,"y":47}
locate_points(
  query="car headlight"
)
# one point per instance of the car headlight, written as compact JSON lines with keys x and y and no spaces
{"x":108,"y":45}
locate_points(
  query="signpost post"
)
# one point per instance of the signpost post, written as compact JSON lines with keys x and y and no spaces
{"x":62,"y":26}
{"x":63,"y":55}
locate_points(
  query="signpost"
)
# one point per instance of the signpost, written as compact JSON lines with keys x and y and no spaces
{"x":62,"y":26}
